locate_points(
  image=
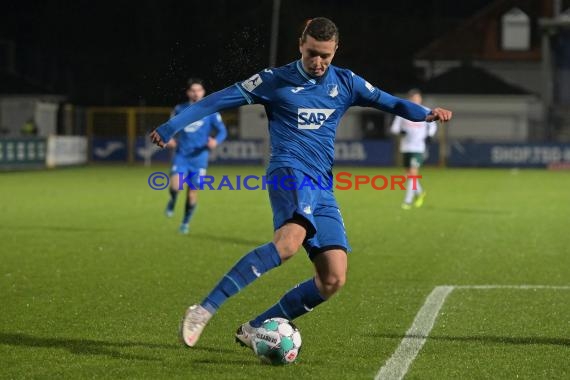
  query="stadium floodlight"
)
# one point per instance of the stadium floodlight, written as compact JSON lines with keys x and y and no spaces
{"x":274,"y":38}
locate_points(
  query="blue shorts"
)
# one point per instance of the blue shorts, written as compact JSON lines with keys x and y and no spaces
{"x":314,"y":207}
{"x":183,"y":164}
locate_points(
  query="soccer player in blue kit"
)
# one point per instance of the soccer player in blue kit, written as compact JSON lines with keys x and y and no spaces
{"x":192,"y":144}
{"x":304,"y":102}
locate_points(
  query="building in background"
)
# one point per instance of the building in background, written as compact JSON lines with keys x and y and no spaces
{"x":23,"y":104}
{"x":487,"y":109}
{"x":510,"y":44}
{"x":502,"y":39}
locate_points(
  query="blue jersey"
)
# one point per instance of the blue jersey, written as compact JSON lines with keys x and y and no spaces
{"x":192,"y":139}
{"x":304,"y":112}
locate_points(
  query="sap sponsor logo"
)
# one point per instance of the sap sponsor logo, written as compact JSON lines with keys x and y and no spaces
{"x":110,"y":148}
{"x":190,"y":128}
{"x":312,"y":118}
{"x":252,"y":82}
{"x":237,"y":150}
{"x":349,"y":151}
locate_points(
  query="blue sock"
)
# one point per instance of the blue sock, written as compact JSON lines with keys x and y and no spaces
{"x":296,"y":302}
{"x":243,"y":273}
{"x":172,"y":201}
{"x":188,"y":211}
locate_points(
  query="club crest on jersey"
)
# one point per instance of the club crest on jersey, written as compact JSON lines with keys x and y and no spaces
{"x":194,"y":126}
{"x":312,"y":118}
{"x":252,"y":82}
{"x":333,"y":90}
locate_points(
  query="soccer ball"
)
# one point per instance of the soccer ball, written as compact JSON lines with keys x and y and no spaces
{"x":277,"y":341}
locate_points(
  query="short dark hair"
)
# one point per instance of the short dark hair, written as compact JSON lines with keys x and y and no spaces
{"x":321,"y":29}
{"x":193,"y":81}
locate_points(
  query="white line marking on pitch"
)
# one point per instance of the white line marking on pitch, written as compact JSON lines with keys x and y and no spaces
{"x":528,"y":287}
{"x":397,"y":366}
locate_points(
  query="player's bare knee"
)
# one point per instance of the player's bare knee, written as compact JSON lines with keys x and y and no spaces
{"x":287,"y":246}
{"x":331,"y":284}
{"x":288,"y":239}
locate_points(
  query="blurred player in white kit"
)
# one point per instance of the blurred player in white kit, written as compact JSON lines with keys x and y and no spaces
{"x":415,"y":135}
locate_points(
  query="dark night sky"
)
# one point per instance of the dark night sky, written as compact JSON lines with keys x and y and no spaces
{"x":126,"y":52}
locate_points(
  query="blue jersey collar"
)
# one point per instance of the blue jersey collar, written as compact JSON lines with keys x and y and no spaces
{"x":301,"y":71}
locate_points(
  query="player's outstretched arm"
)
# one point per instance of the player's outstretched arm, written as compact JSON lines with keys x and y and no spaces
{"x":229,"y":97}
{"x":410,"y":110}
{"x":366,"y":95}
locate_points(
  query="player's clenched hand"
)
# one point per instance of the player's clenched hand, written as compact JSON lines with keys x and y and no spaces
{"x":439,"y":114}
{"x":212,"y":143}
{"x":155,"y":139}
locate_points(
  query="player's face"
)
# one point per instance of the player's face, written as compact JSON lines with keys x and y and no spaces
{"x":316,"y":56}
{"x":416,"y":98}
{"x":195,"y":92}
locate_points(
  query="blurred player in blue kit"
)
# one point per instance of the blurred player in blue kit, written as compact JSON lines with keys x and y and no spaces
{"x":192,"y":143}
{"x":304,"y":101}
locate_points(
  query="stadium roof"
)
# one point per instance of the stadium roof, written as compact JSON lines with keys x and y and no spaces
{"x":469,"y":80}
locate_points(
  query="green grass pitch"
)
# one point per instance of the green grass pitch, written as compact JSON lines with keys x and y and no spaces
{"x":94,"y":279}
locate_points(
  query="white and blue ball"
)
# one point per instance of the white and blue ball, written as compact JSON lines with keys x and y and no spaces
{"x":277,"y":341}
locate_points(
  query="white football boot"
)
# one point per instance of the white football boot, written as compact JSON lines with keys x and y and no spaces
{"x":245,"y":334}
{"x":193,"y":323}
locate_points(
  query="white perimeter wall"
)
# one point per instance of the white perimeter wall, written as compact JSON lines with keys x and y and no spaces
{"x":500,"y":118}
